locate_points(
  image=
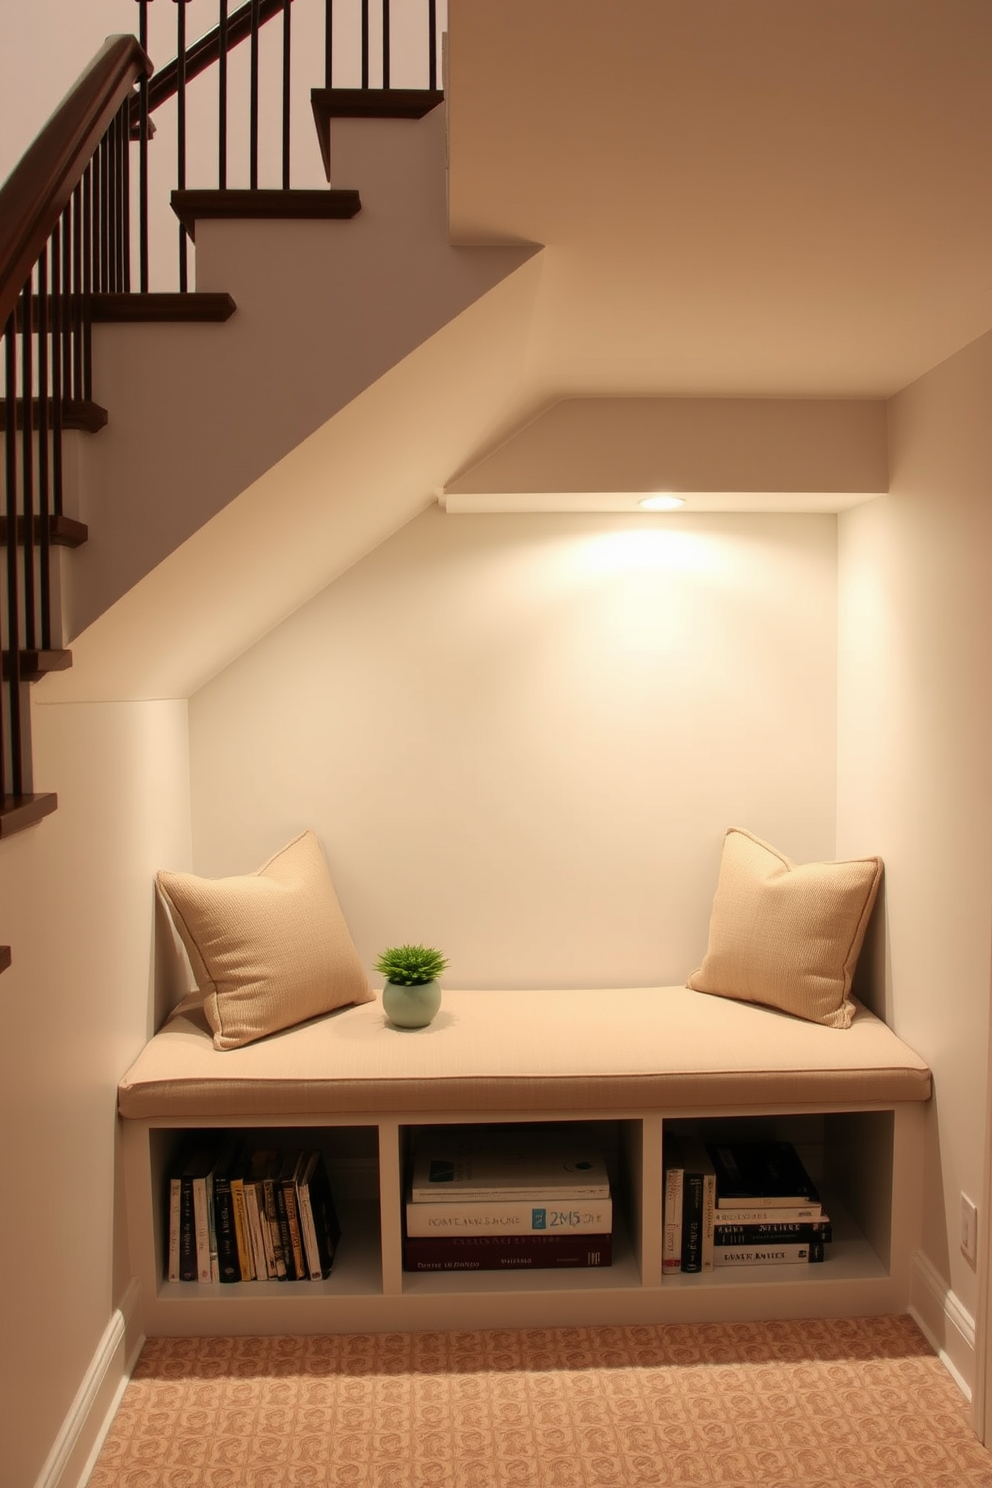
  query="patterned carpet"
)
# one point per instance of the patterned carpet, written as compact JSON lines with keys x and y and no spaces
{"x":849,"y":1403}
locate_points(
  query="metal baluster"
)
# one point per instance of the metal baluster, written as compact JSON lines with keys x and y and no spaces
{"x":58,"y":343}
{"x":385,"y":43}
{"x":27,"y":464}
{"x":222,"y":100}
{"x":253,"y":112}
{"x":365,"y":43}
{"x":143,"y":154}
{"x":76,"y":297}
{"x":181,"y":132}
{"x":328,"y":43}
{"x":44,"y":473}
{"x":286,"y":81}
{"x":12,"y":669}
{"x":124,"y":119}
{"x":432,"y":44}
{"x":94,"y":264}
{"x":66,"y":336}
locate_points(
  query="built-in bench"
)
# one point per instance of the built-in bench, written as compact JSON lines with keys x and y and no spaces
{"x":632,"y":1060}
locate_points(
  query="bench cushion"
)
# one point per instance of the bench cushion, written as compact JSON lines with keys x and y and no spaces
{"x":665,"y":1048}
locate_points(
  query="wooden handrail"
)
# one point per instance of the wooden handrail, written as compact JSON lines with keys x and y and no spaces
{"x":35,"y":193}
{"x":205,"y":52}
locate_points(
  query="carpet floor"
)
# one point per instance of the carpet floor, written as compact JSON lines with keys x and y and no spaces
{"x":836,"y":1403}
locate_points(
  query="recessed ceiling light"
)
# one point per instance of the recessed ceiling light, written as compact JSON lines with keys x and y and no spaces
{"x":662,"y":501}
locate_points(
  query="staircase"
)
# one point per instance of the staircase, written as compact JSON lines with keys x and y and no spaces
{"x":91,"y":354}
{"x":66,"y":267}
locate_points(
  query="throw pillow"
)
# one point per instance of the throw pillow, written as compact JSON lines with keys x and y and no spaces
{"x":268,"y":949}
{"x":787,"y":934}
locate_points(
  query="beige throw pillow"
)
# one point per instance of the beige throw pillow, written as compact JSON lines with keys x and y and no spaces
{"x":269,"y":949}
{"x":787,"y":934}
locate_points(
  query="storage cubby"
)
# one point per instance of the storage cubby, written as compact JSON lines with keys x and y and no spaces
{"x":849,"y":1156}
{"x":866,"y":1161}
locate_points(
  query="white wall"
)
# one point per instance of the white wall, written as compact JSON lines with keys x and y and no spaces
{"x":915,"y":729}
{"x":522,"y":738}
{"x":76,"y":905}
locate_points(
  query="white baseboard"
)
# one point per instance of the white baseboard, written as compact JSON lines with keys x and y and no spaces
{"x":946,"y":1325}
{"x":78,"y":1443}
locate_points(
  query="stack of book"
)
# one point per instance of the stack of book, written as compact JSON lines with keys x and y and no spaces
{"x":502,"y":1198}
{"x":738,"y":1204}
{"x":238,"y":1212}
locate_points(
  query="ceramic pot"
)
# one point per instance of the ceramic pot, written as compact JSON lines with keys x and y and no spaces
{"x":411,"y":1007}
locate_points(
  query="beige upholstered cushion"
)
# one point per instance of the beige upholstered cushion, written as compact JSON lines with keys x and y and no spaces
{"x":269,"y":949}
{"x":787,"y":934}
{"x":557,"y":1050}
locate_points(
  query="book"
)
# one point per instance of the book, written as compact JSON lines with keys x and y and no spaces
{"x":246,"y":1260}
{"x":318,"y":1218}
{"x":699,"y":1184}
{"x":195,"y":1165}
{"x":764,"y":1213}
{"x":506,"y":1252}
{"x":769,"y":1234}
{"x":809,"y":1251}
{"x":769,"y":1172}
{"x":257,"y":1228}
{"x":203,"y":1203}
{"x":511,"y":1216}
{"x":692,"y":1222}
{"x":296,"y":1265}
{"x":673,"y":1171}
{"x":505,"y":1163}
{"x":175,"y":1202}
{"x":228,"y":1263}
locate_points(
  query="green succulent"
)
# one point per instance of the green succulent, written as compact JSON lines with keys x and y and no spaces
{"x":411,"y":965}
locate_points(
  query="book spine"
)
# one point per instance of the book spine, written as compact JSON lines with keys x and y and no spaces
{"x":760,"y":1213}
{"x":246,"y":1264}
{"x":692,"y":1222}
{"x":709,"y":1209}
{"x":187,"y":1232}
{"x":295,"y":1234}
{"x":202,"y":1229}
{"x":175,"y":1209}
{"x":770,"y":1234}
{"x":289,"y":1262}
{"x":229,"y":1267}
{"x":787,"y":1253}
{"x":529,"y":1193}
{"x":671,"y":1258}
{"x":275,"y":1233}
{"x":310,"y":1247}
{"x":511,"y":1217}
{"x":507,"y":1252}
{"x":257,"y":1229}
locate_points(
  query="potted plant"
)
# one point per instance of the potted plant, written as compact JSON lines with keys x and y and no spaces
{"x":411,"y":995}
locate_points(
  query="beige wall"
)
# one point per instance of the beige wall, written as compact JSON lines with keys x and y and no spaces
{"x":77,"y":899}
{"x":915,"y":730}
{"x":522,"y":738}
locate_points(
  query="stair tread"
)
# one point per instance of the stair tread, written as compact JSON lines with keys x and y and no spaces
{"x":375,"y":103}
{"x":63,"y":532}
{"x":77,"y":413}
{"x":35,"y":662}
{"x":18,"y":812}
{"x":366,"y":103}
{"x":190,"y":206}
{"x":200,"y":305}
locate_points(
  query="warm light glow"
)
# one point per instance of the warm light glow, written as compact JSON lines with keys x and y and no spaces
{"x":662,"y":501}
{"x":650,"y":549}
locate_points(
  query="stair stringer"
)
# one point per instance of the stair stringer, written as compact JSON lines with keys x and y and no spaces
{"x":365,"y":473}
{"x":198,"y":413}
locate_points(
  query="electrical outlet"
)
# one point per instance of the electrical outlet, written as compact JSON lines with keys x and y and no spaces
{"x":969,"y":1229}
